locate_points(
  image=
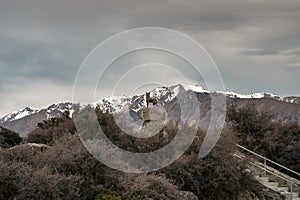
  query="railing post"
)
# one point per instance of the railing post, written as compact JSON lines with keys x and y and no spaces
{"x":291,"y":190}
{"x":265,"y":166}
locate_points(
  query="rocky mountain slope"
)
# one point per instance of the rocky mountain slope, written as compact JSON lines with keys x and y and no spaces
{"x":25,"y":120}
{"x":286,"y":109}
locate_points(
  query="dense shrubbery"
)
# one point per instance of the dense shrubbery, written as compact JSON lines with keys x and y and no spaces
{"x":19,"y":180}
{"x":51,"y":130}
{"x":283,"y":145}
{"x":149,"y":187}
{"x":9,"y":138}
{"x":65,"y":170}
{"x":250,"y":126}
{"x":258,"y":132}
{"x":218,"y":171}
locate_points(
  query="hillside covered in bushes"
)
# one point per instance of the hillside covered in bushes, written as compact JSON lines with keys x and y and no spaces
{"x":52,"y":162}
{"x":63,"y":169}
{"x":262,"y":134}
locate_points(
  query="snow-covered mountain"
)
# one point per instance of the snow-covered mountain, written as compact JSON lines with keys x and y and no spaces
{"x":61,"y":107}
{"x":116,"y":104}
{"x":165,"y":95}
{"x":27,"y":111}
{"x":113,"y":104}
{"x":285,"y":108}
{"x":19,"y":114}
{"x":25,"y":120}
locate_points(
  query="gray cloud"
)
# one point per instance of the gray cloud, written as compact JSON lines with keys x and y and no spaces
{"x":255,"y":43}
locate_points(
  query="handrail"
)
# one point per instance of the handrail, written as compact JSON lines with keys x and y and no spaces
{"x":267,"y":169}
{"x":280,"y":176}
{"x":277,"y":189}
{"x":271,"y":170}
{"x":266,"y":159}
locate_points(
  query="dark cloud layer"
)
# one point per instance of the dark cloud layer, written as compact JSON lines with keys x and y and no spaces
{"x":254,"y":43}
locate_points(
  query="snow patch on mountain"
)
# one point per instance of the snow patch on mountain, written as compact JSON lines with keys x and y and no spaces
{"x":195,"y":88}
{"x":117,"y":104}
{"x":172,"y":94}
{"x":250,"y":96}
{"x":158,"y":92}
{"x":52,"y":110}
{"x":19,"y":114}
{"x":113,"y":104}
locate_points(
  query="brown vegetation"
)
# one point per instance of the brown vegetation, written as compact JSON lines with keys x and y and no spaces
{"x":65,"y":170}
{"x":275,"y":140}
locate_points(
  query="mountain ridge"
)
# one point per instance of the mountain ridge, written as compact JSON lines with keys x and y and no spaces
{"x":285,"y":108}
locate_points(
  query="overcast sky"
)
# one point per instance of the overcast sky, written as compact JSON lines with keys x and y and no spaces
{"x":255,"y":43}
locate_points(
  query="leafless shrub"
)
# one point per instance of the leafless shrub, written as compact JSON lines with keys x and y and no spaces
{"x":66,"y":170}
{"x":20,"y":181}
{"x":22,"y":153}
{"x":149,"y":187}
{"x":217,"y":176}
{"x":69,"y":156}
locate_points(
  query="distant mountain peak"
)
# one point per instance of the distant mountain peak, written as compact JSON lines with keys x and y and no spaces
{"x":19,"y":114}
{"x":26,"y":119}
{"x":115,"y":104}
